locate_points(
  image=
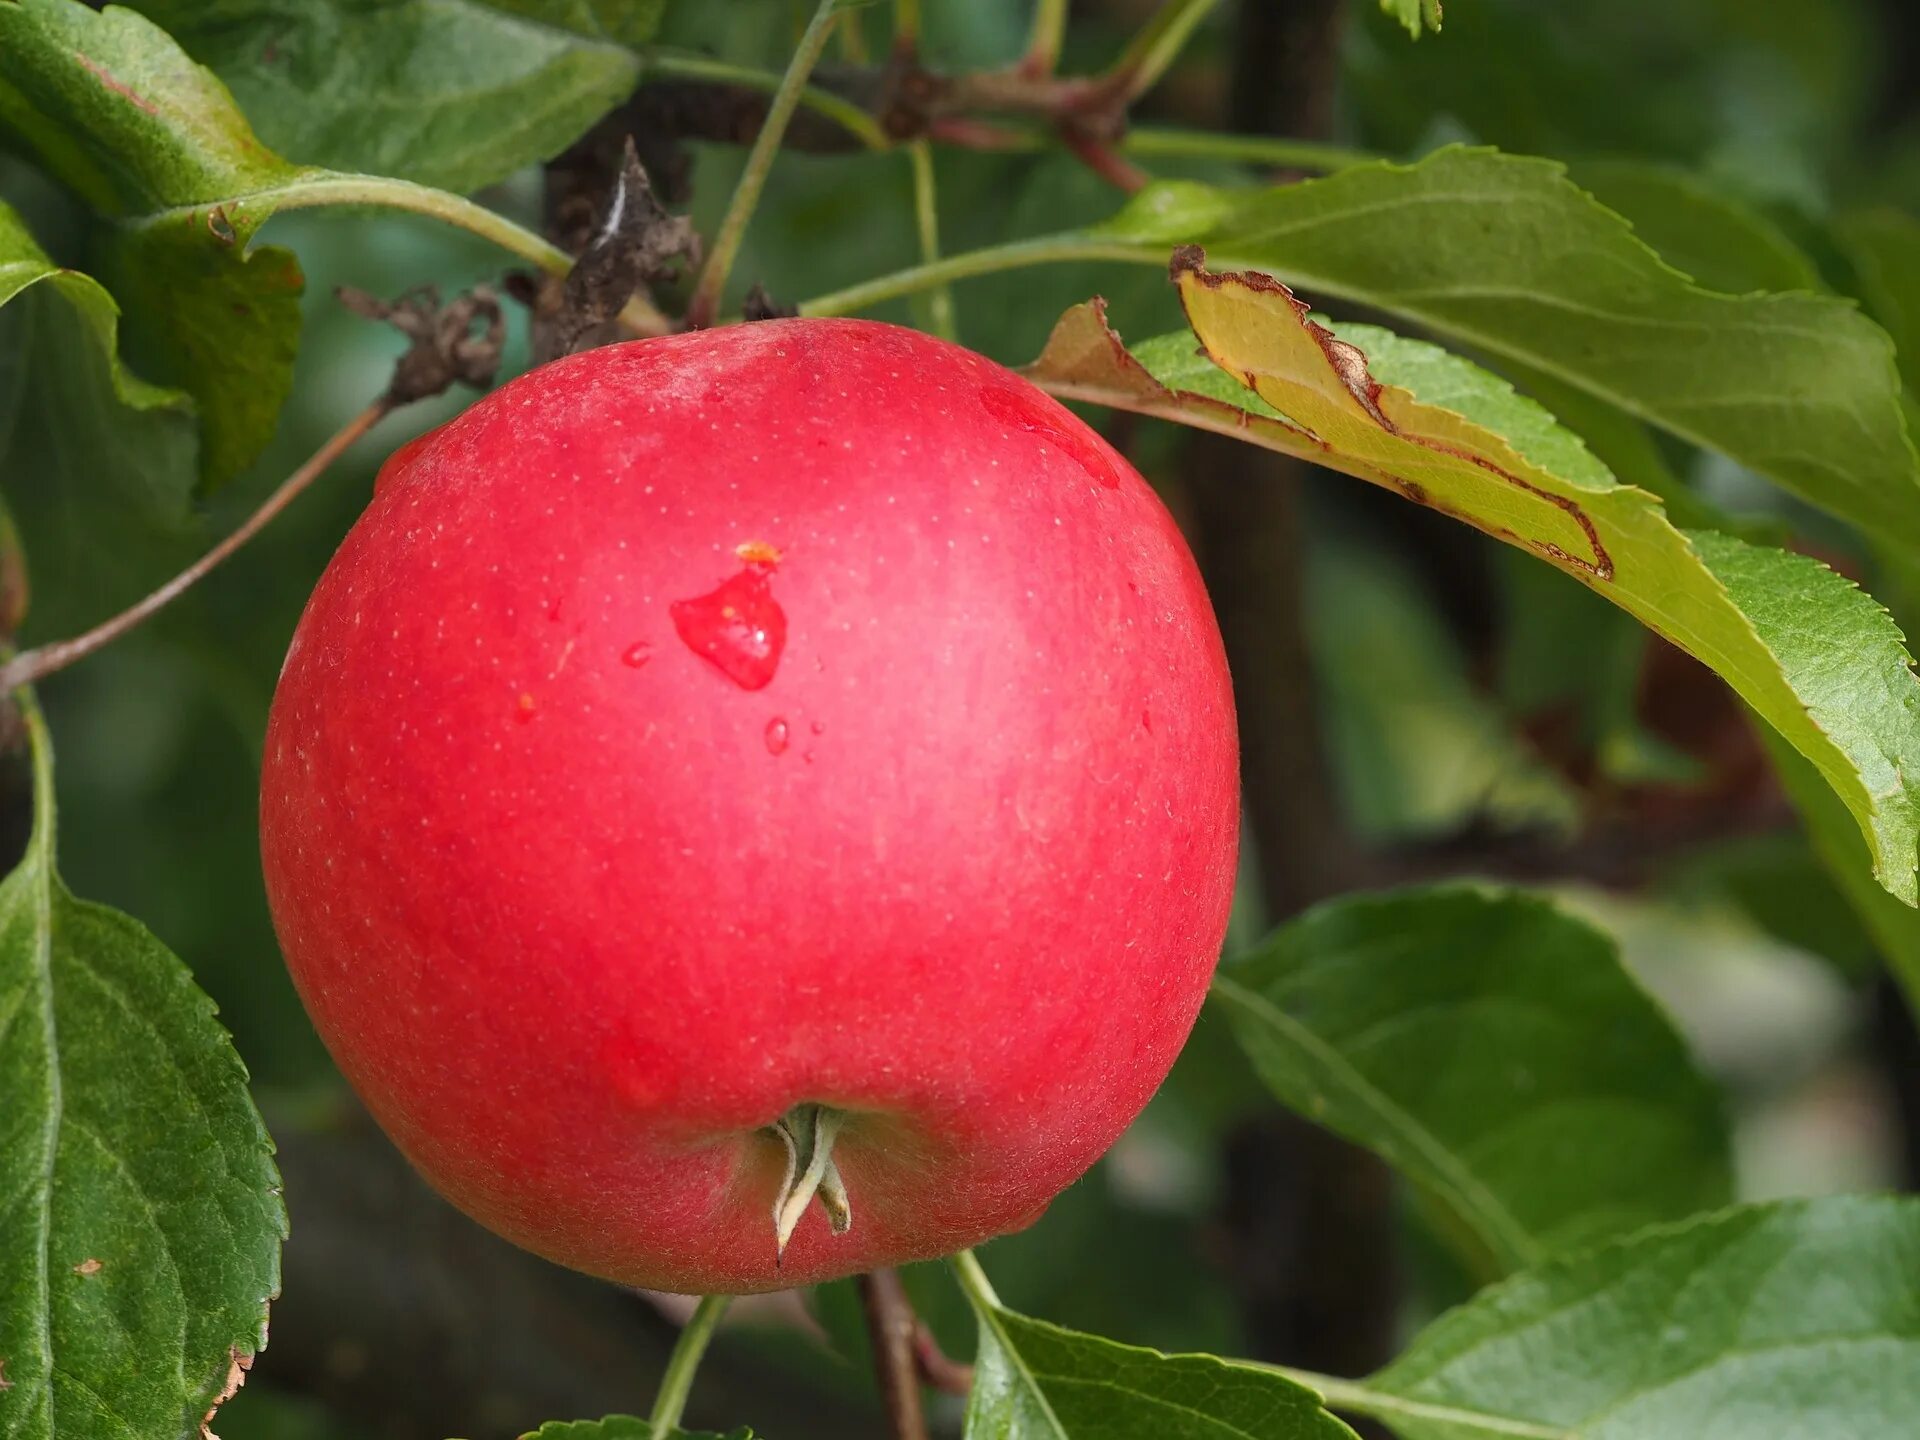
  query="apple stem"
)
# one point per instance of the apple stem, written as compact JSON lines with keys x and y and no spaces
{"x":808,"y":1132}
{"x":677,"y":1383}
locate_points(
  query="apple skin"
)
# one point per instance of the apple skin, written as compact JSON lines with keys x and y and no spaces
{"x":580,"y":913}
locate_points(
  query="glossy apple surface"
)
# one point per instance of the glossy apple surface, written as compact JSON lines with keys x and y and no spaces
{"x":800,"y":713}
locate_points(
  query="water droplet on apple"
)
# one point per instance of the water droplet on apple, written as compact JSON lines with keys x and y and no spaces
{"x":1146,"y":721}
{"x":1032,"y":412}
{"x":739,"y":628}
{"x":776,"y":736}
{"x":524,"y":711}
{"x":636,"y":654}
{"x":817,"y":728}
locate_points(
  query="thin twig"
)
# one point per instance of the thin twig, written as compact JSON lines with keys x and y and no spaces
{"x":926,"y":214}
{"x":1044,"y":41}
{"x":906,"y":25}
{"x":1104,"y":160}
{"x":853,"y":38}
{"x":891,"y":1324}
{"x":1072,"y":246}
{"x":936,"y":1367}
{"x":308,"y":191}
{"x":916,"y":103}
{"x":703,"y":69}
{"x":1157,"y":46}
{"x":446,"y":350}
{"x":968,"y":134}
{"x":705,"y":303}
{"x":34,"y":665}
{"x":677,"y":1384}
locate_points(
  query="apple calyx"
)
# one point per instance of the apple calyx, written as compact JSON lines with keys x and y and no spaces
{"x":807,"y":1132}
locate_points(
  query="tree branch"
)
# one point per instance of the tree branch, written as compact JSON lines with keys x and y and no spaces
{"x":32,"y":666}
{"x":892,"y":1325}
{"x":936,"y":1367}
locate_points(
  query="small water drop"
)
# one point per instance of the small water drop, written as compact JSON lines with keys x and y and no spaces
{"x":524,"y":711}
{"x":1146,"y":721}
{"x":1038,"y":415}
{"x":739,"y":628}
{"x":817,"y":728}
{"x":776,"y":736}
{"x":636,"y":654}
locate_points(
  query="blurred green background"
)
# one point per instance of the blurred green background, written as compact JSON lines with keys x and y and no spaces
{"x":1463,"y":710}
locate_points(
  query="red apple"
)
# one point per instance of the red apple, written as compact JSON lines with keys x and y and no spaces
{"x":706,"y":749}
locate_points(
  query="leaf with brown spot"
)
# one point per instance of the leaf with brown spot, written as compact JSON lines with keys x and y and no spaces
{"x":1810,"y":652}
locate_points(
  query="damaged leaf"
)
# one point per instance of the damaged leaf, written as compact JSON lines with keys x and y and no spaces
{"x":140,"y":1213}
{"x":1814,"y":655}
{"x":636,"y":243}
{"x":1506,"y":255}
{"x":1416,"y":15}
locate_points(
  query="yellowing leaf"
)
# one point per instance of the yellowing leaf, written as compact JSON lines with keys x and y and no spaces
{"x":1815,"y":656}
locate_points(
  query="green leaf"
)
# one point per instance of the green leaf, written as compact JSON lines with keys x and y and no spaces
{"x":1035,"y":1381}
{"x":622,"y":1427}
{"x":1722,"y":244}
{"x":110,"y":106}
{"x":1895,"y":928}
{"x":1775,"y":1322}
{"x":1492,"y":1048}
{"x":97,"y":465}
{"x":453,"y":93}
{"x":24,"y":264}
{"x":1815,"y":656}
{"x":1508,"y":256}
{"x":1414,"y":14}
{"x":1884,"y":247}
{"x":140,"y":1218}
